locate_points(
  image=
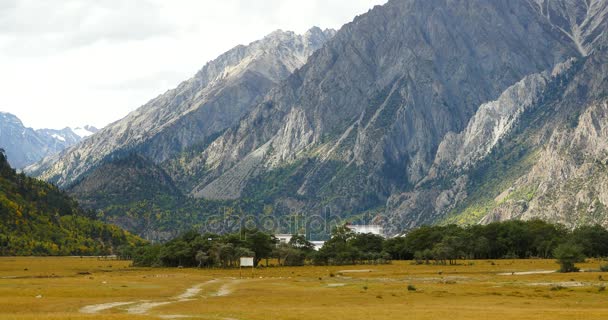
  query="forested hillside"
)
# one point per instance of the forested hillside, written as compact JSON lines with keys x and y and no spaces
{"x":36,"y":218}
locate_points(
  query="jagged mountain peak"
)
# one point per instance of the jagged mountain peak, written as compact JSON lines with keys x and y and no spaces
{"x":10,"y":118}
{"x":25,"y":145}
{"x":214,"y":99}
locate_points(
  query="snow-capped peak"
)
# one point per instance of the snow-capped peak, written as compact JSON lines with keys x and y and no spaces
{"x":58,"y":137}
{"x":85,"y":131}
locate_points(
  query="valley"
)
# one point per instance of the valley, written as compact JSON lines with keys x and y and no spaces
{"x":411,"y":114}
{"x":89,"y":288}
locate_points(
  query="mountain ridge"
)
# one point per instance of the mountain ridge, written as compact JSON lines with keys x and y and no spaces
{"x":194,"y":110}
{"x":374,"y":122}
{"x":27,"y":146}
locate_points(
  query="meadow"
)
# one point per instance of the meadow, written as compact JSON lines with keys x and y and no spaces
{"x":88,"y":288}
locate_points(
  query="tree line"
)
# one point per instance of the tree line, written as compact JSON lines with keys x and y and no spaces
{"x":510,"y":239}
{"x":427,"y":244}
{"x":194,"y":249}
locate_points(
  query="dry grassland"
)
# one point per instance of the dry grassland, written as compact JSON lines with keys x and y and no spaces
{"x":87,"y":288}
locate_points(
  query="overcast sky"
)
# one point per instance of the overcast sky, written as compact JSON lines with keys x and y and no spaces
{"x":76,"y":62}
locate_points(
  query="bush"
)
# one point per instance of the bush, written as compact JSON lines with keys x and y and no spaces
{"x":411,"y":287}
{"x":567,"y":255}
{"x":604,"y":267}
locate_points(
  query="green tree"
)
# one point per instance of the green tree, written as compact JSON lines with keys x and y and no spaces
{"x":367,"y":242}
{"x":202,"y":258}
{"x":593,"y":240}
{"x":288,"y":255}
{"x":299,"y":241}
{"x":397,"y":248}
{"x":567,"y":254}
{"x":262,"y":245}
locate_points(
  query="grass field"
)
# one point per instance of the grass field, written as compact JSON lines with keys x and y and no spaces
{"x":87,"y":288}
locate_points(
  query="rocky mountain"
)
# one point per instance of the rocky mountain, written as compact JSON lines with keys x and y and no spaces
{"x":368,"y":112}
{"x":416,"y":112}
{"x":536,"y":151}
{"x":27,"y":146}
{"x":193,"y":114}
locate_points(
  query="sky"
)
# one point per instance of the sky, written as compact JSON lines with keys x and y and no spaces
{"x":91,"y":62}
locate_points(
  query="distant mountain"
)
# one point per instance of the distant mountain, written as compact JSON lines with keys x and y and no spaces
{"x":27,"y":146}
{"x":39,"y":219}
{"x":85,"y":131}
{"x":417,"y":112}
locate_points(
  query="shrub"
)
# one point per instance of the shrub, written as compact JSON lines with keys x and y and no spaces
{"x":567,"y":255}
{"x":411,"y":287}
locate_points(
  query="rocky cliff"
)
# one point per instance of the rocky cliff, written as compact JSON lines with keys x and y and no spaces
{"x":369,"y":110}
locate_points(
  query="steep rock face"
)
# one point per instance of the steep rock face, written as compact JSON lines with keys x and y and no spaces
{"x":25,"y":146}
{"x":537,"y":152}
{"x":568,"y":182}
{"x":372,"y":106}
{"x":448,"y":181}
{"x":199,"y":108}
{"x":582,"y":21}
{"x":493,"y":121}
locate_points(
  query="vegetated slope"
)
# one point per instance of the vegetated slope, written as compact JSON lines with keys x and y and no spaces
{"x":26,"y":146}
{"x":193,"y":114}
{"x":39,"y":219}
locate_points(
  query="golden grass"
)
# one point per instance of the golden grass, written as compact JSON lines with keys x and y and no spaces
{"x":58,"y":288}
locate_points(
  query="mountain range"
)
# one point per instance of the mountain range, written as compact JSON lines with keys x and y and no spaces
{"x":26,"y":146}
{"x":416,"y":112}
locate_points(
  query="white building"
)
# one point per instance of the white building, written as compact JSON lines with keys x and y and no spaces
{"x":283,"y":237}
{"x":318,"y":244}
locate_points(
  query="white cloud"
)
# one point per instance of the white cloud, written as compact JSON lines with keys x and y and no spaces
{"x":75,"y":62}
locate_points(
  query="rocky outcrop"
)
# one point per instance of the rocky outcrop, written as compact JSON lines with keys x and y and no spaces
{"x":493,"y":122}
